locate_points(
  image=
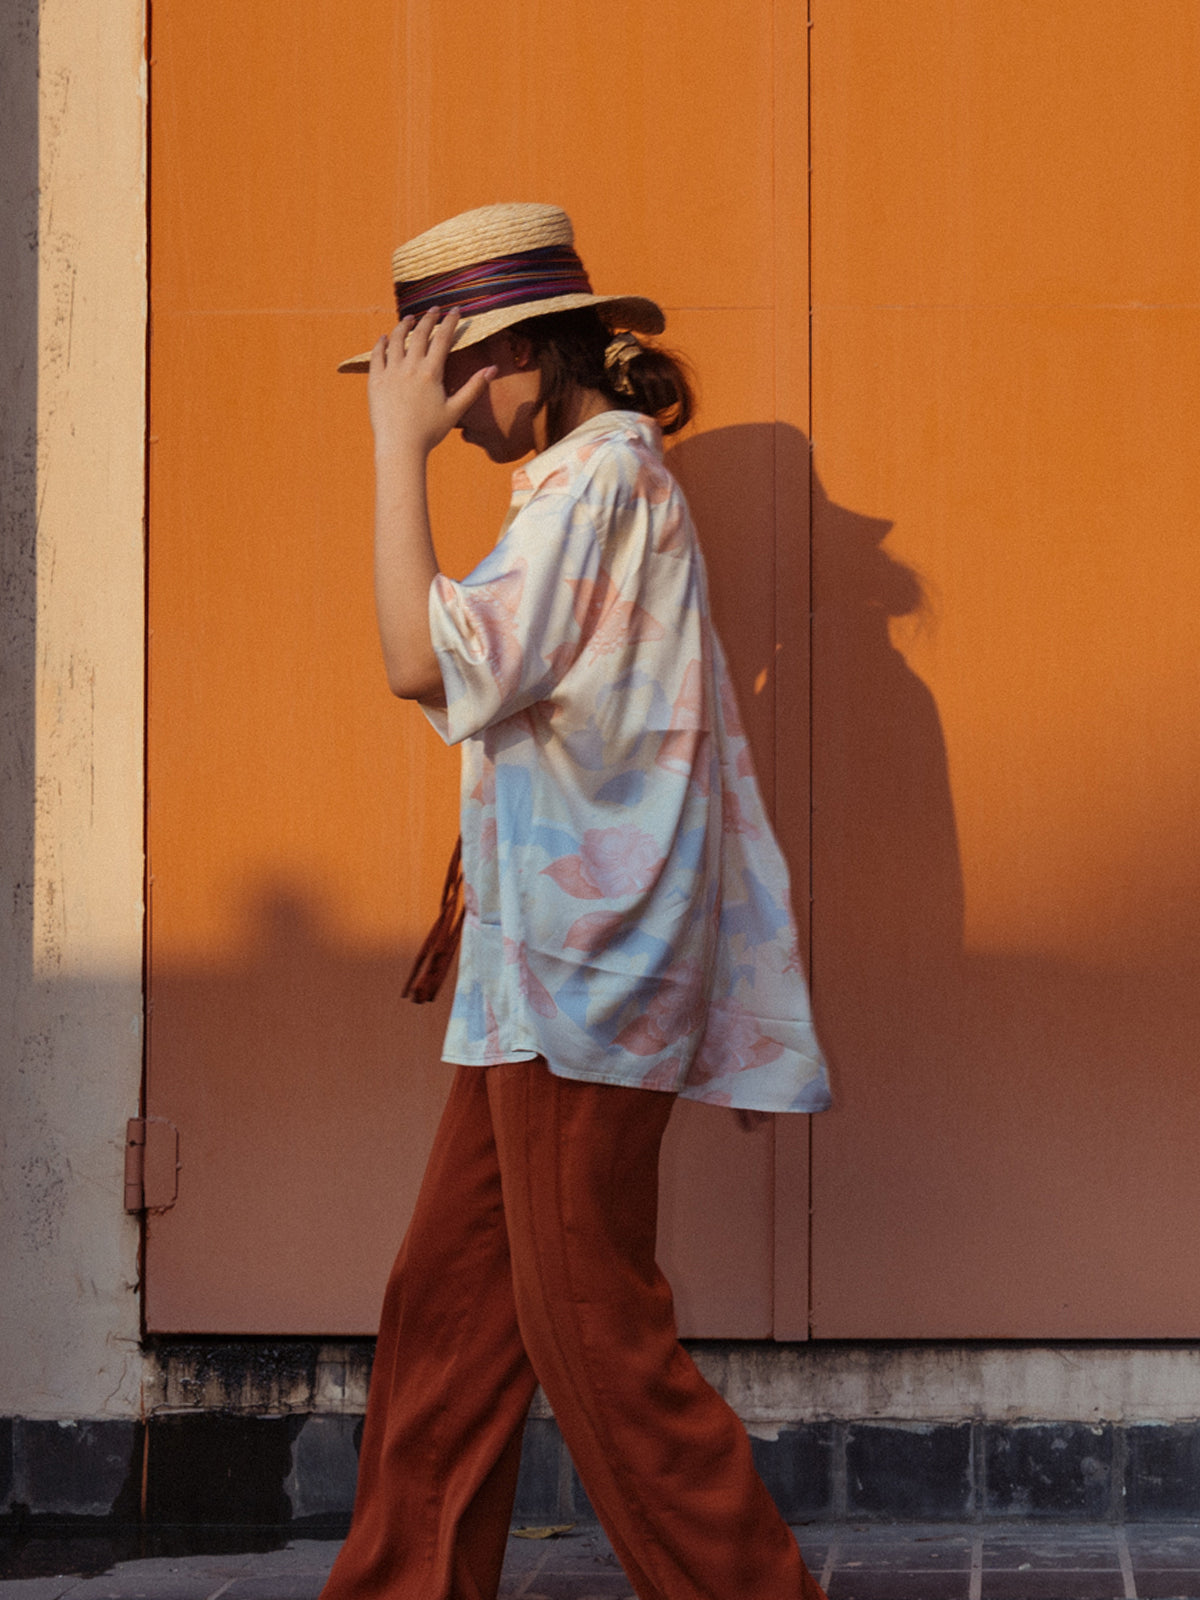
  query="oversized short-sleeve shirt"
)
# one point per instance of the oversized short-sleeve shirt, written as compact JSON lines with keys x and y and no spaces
{"x":627,"y":909}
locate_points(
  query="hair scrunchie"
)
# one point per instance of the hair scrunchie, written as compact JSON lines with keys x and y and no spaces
{"x":623,"y":349}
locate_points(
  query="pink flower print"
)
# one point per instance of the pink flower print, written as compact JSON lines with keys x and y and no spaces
{"x":605,"y":621}
{"x":528,"y":982}
{"x":665,"y":1075}
{"x":653,"y":482}
{"x":620,"y":860}
{"x":611,"y":862}
{"x":729,"y":708}
{"x":471,"y":902}
{"x":733,"y":820}
{"x":680,"y":748}
{"x":672,"y":531}
{"x":491,"y":1033}
{"x":491,"y":616}
{"x":679,"y":752}
{"x":642,"y":1037}
{"x":561,"y":658}
{"x":593,"y":931}
{"x":744,"y":766}
{"x":488,"y":839}
{"x":733,"y":1042}
{"x":559,"y":479}
{"x":484,"y":792}
{"x":521,"y":480}
{"x":687,"y":712}
{"x":676,"y":1011}
{"x":591,"y":597}
{"x":625,"y":622}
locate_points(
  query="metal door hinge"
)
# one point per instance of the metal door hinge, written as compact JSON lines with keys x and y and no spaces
{"x":151,"y":1164}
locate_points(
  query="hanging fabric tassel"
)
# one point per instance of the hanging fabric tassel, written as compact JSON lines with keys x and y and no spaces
{"x":436,"y":954}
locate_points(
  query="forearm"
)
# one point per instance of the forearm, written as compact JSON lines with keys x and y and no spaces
{"x":410,"y":415}
{"x":405,"y":567}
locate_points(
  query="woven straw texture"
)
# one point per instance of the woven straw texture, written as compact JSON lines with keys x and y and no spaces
{"x":502,"y":230}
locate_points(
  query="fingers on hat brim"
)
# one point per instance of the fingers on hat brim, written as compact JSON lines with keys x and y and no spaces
{"x":619,"y":311}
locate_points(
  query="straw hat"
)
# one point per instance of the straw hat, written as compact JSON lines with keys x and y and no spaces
{"x":501,"y":265}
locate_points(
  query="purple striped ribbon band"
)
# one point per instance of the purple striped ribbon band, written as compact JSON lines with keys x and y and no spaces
{"x":502,"y":281}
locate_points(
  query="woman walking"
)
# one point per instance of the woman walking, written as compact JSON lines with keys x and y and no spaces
{"x":627,"y":938}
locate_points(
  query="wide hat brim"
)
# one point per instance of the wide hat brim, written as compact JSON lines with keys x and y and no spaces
{"x":622,"y":312}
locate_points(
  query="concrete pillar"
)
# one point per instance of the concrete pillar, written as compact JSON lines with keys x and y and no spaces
{"x":72,"y":428}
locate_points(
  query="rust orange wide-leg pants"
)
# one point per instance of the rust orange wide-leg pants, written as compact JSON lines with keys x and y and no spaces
{"x":530,"y":1257}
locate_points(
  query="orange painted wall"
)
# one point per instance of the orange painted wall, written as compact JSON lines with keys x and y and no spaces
{"x":299,"y":816}
{"x":1006,"y":774}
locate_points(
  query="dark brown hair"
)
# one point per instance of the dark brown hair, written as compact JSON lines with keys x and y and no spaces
{"x":569,"y":350}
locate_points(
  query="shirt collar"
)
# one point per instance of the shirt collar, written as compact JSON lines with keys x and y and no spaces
{"x":617,"y":424}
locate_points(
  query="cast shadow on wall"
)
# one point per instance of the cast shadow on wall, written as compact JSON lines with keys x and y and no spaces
{"x":1005,"y":1119}
{"x":887,"y":908}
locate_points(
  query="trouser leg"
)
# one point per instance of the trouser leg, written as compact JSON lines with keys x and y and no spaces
{"x":665,"y":1462}
{"x":450,"y":1386}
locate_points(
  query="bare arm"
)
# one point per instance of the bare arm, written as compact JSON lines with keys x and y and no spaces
{"x":410,"y":414}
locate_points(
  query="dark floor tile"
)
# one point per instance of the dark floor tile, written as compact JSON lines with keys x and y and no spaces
{"x":543,"y":1588}
{"x":1063,"y":1584}
{"x":1184,"y":1538}
{"x":127,"y":1583}
{"x":277,"y":1586}
{"x":1012,"y":1555}
{"x":849,"y":1584}
{"x":1163,"y":1555}
{"x":897,"y":1554}
{"x":814,"y":1554}
{"x":33,"y":1588}
{"x":1177,"y":1585}
{"x":581,"y":1553}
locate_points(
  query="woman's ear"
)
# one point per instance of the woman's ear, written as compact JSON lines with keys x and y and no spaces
{"x":520,"y":348}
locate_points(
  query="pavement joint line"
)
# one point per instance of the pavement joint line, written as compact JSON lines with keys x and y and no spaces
{"x":975,"y":1587}
{"x":541,"y":1562}
{"x":1126,"y":1564}
{"x":831,"y":1557}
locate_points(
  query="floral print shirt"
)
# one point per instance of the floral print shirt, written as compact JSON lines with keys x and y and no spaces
{"x":627,"y":912}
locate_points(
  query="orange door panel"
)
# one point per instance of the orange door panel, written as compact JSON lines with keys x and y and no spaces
{"x":1006,"y":375}
{"x":299,"y":817}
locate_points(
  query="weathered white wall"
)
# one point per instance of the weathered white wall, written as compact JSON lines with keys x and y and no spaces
{"x":72,"y":424}
{"x":953,"y":1383}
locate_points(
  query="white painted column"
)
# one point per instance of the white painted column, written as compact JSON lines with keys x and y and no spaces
{"x":72,"y":428}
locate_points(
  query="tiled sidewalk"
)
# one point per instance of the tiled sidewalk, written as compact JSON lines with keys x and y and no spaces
{"x":1013,"y":1561}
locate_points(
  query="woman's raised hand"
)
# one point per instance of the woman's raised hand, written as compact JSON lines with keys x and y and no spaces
{"x":410,"y":409}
